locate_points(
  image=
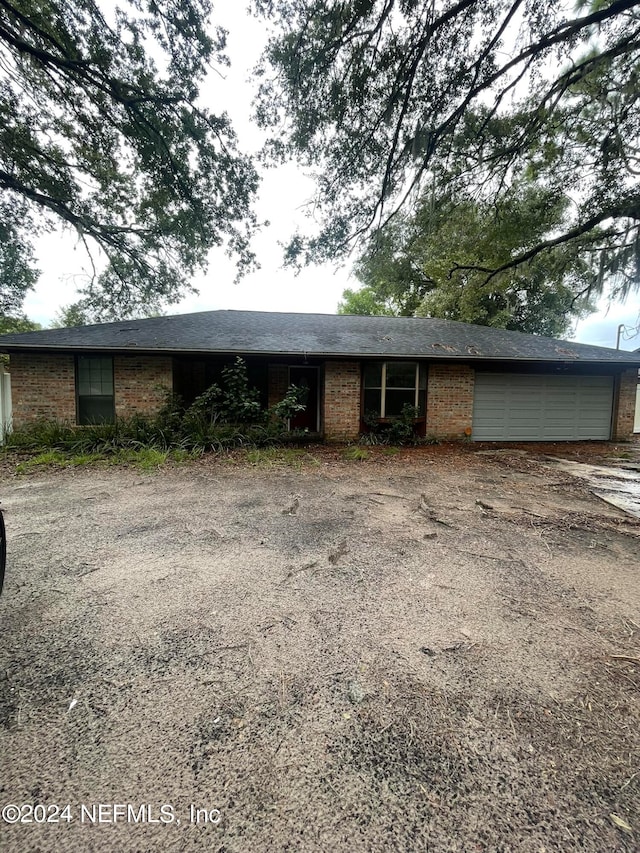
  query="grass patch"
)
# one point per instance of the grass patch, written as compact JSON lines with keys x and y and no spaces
{"x":355,"y":453}
{"x":390,"y":451}
{"x":144,"y":458}
{"x":179,"y":454}
{"x":82,"y":459}
{"x":46,"y":459}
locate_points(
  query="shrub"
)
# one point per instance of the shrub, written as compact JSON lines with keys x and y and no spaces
{"x":293,"y":402}
{"x":42,"y":434}
{"x":232,"y":402}
{"x":398,"y":430}
{"x":229,"y":415}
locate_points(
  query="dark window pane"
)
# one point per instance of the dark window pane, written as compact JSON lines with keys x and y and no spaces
{"x":372,"y":402}
{"x":95,"y":376}
{"x":95,"y":410}
{"x":401,"y":374}
{"x":373,"y":374}
{"x":95,"y":390}
{"x":395,"y":400}
{"x":423,"y":376}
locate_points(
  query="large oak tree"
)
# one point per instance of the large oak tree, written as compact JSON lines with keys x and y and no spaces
{"x":407,"y":268}
{"x":102,"y":128}
{"x":386,"y":99}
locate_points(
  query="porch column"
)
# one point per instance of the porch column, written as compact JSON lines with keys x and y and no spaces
{"x":342,"y":400}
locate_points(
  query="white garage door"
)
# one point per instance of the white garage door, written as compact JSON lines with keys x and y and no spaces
{"x":537,"y":407}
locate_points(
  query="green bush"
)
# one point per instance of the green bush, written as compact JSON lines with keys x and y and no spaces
{"x":293,"y":402}
{"x":398,"y":430}
{"x":229,"y":415}
{"x":42,"y":434}
{"x":233,"y":402}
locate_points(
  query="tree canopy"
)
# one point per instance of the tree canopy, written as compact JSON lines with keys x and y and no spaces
{"x":407,"y":269}
{"x":385,"y":99}
{"x":75,"y":314}
{"x":102,"y":129}
{"x":17,"y":323}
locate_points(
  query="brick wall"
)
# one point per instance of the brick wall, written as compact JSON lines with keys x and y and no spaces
{"x":141,"y":383}
{"x":341,"y":400}
{"x":625,"y":405}
{"x":42,"y":387}
{"x":449,"y":400}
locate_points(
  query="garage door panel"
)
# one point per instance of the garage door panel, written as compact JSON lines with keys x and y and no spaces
{"x":537,"y":407}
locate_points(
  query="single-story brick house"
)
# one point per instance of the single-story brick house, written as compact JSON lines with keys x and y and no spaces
{"x":463,"y":379}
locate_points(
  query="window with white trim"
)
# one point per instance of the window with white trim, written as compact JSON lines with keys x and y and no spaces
{"x":391,"y":385}
{"x":95,"y":390}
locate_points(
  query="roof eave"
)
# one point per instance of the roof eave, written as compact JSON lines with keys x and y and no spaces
{"x":439,"y":356}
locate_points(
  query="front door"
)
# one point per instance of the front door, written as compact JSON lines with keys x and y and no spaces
{"x":306,"y":377}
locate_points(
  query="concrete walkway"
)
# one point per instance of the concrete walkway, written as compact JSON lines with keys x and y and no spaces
{"x":619,"y":485}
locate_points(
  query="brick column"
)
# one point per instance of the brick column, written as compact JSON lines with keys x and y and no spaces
{"x":141,"y":383}
{"x":449,"y":400}
{"x":341,"y":400}
{"x":43,"y":386}
{"x":625,"y":405}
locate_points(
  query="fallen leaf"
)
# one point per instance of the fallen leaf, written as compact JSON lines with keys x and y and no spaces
{"x":621,"y":824}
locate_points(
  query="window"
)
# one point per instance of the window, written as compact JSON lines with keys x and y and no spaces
{"x":94,"y":377}
{"x":391,"y":385}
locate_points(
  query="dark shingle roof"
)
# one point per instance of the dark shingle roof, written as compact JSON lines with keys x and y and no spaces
{"x":255,"y":332}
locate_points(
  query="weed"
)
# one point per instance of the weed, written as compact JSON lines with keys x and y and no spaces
{"x":180,"y":454}
{"x":81,"y":459}
{"x":295,"y":457}
{"x":355,"y":453}
{"x":40,"y":435}
{"x":49,"y":457}
{"x":144,"y":458}
{"x":257,"y":456}
{"x":430,"y":439}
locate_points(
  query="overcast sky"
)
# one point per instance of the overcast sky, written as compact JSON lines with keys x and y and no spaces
{"x":282,"y":200}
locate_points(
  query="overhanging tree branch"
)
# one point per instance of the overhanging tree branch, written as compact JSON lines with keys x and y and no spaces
{"x":632,"y":211}
{"x":91,"y":133}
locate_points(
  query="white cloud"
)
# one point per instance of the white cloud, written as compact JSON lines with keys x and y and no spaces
{"x":602,"y":327}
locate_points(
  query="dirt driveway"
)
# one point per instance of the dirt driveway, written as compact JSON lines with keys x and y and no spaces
{"x":428,"y":651}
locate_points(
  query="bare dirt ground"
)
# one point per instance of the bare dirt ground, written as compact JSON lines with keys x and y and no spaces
{"x":432,"y":651}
